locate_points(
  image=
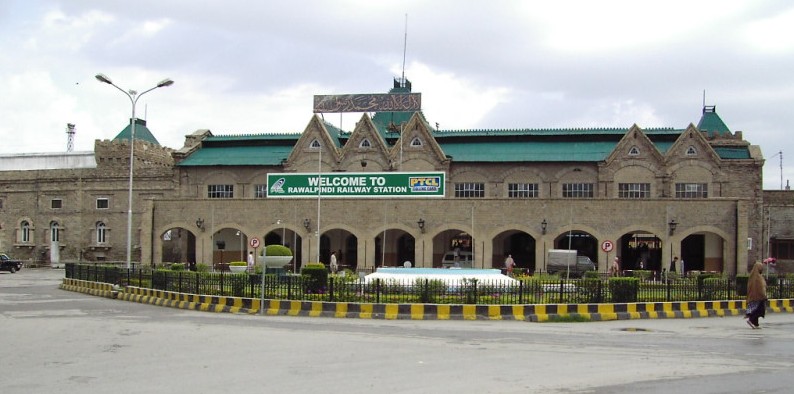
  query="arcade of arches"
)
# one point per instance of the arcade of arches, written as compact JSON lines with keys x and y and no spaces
{"x":701,"y":251}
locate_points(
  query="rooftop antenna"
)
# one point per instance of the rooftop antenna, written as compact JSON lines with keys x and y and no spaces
{"x":70,"y":137}
{"x":405,"y":45}
{"x":780,"y":155}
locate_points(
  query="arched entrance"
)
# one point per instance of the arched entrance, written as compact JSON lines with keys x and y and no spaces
{"x":457,"y":242}
{"x":178,"y":246}
{"x":344,"y":243}
{"x":583,"y":242}
{"x":703,"y":251}
{"x":289,"y":238}
{"x":399,"y":248}
{"x":518,"y":244}
{"x":641,"y":250}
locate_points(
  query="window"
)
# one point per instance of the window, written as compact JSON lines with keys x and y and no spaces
{"x":782,"y":248}
{"x":691,"y":190}
{"x":416,"y":142}
{"x":56,"y":203}
{"x":25,"y":232}
{"x":220,"y":191}
{"x":364,"y":144}
{"x":102,"y":203}
{"x":470,"y":190}
{"x":314,"y":144}
{"x":634,"y":151}
{"x":55,"y":233}
{"x":691,"y":151}
{"x":634,"y":190}
{"x":260,"y":191}
{"x":577,"y":190}
{"x":522,"y":190}
{"x":101,"y":233}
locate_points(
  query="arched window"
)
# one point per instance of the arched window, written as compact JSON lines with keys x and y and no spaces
{"x":364,"y":144}
{"x":315,"y":144}
{"x":55,"y":233}
{"x":101,"y":233}
{"x":25,"y":227}
{"x":416,"y":142}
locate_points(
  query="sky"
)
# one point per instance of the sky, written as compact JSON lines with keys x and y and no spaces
{"x":249,"y":67}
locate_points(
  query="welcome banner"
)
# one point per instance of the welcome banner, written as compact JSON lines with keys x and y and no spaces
{"x":356,"y":184}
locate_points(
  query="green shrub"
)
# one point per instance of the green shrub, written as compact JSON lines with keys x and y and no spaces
{"x":642,"y":274}
{"x":591,"y":275}
{"x":201,"y":267}
{"x":431,"y":289}
{"x":178,"y":267}
{"x":590,"y":291}
{"x":276,"y":250}
{"x":238,"y":281}
{"x":623,"y":289}
{"x":741,"y":285}
{"x":315,"y":277}
{"x":712,"y":289}
{"x":238,"y":264}
{"x":469,"y":288}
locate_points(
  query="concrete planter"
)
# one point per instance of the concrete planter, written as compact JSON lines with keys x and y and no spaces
{"x":274,"y":261}
{"x":238,"y":268}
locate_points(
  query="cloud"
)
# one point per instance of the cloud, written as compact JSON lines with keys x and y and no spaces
{"x":254,"y":67}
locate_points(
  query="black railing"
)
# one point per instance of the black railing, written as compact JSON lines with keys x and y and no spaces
{"x":528,"y":290}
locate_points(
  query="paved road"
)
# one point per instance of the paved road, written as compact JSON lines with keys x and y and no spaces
{"x":59,"y":341}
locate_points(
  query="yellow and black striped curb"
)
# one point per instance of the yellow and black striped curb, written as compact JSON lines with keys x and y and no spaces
{"x":533,"y":313}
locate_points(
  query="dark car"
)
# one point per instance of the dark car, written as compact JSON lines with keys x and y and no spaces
{"x":9,"y":264}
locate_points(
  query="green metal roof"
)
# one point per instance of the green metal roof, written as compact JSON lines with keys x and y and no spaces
{"x":528,"y":151}
{"x":712,"y":123}
{"x":616,"y":131}
{"x":254,"y":137}
{"x":238,"y":156}
{"x":732,"y":152}
{"x":142,"y":133}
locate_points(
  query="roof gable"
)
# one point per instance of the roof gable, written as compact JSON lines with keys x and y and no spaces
{"x":635,"y":145}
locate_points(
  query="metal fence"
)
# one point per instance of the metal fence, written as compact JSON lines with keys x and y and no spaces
{"x":526,"y":290}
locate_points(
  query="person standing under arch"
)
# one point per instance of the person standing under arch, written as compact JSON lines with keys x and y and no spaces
{"x":510,"y":264}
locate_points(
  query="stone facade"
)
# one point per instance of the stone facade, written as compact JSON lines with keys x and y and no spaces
{"x":174,"y":220}
{"x":74,"y":204}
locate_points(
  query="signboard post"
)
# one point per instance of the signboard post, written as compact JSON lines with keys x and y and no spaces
{"x":607,"y":247}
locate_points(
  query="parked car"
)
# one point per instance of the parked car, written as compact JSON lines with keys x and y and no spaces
{"x":464,"y":260}
{"x":9,"y":264}
{"x":563,"y":261}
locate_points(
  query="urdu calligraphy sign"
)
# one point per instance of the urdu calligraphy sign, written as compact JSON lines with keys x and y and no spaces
{"x":395,"y":102}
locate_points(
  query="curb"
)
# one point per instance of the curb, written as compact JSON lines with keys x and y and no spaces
{"x":529,"y":313}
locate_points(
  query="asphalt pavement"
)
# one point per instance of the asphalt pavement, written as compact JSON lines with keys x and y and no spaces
{"x":59,"y":341}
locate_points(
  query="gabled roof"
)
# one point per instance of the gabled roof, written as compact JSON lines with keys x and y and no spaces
{"x":142,"y":133}
{"x":475,"y":145}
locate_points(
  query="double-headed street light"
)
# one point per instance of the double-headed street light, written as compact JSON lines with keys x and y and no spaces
{"x":133,"y":96}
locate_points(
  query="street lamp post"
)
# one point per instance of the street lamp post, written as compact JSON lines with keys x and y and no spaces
{"x":133,"y":96}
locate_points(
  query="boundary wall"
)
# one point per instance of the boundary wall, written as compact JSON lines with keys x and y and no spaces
{"x":530,"y":313}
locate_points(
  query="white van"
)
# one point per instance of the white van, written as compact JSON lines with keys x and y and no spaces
{"x":465,"y":260}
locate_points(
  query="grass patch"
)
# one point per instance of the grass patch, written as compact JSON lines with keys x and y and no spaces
{"x":568,"y":319}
